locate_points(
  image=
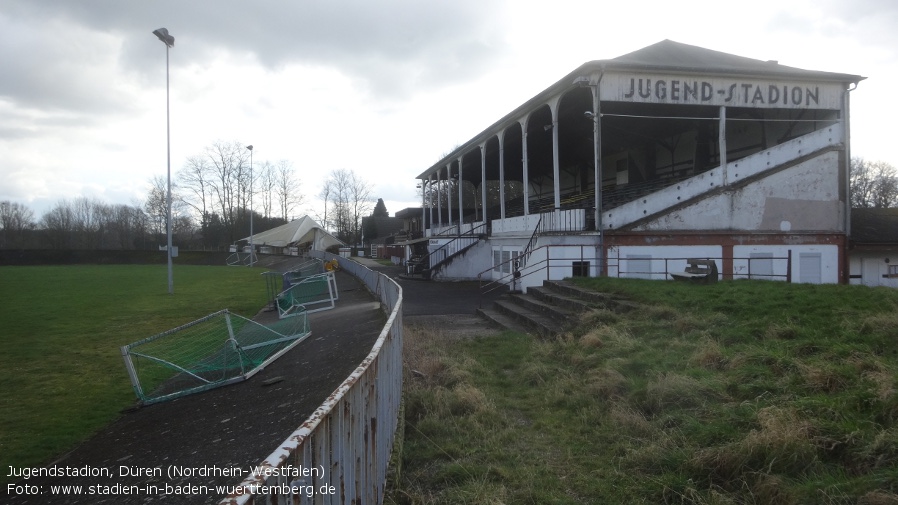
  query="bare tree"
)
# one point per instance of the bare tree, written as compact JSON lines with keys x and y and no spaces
{"x":360,"y":197}
{"x":347,"y":199}
{"x":193,"y":180}
{"x":229,"y":184}
{"x":88,"y":219}
{"x":58,"y":224}
{"x":126,"y":227}
{"x":327,"y":190}
{"x":265,"y":184}
{"x":873,"y":184}
{"x":156,"y":205}
{"x":287,"y":189}
{"x":15,"y":219}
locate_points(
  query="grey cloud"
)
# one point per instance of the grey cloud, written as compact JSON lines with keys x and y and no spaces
{"x":391,"y":46}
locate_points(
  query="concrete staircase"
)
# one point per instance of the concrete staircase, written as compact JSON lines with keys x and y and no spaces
{"x":550,"y":309}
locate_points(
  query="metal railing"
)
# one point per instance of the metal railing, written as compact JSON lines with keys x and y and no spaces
{"x":424,"y":262}
{"x":782,"y":272}
{"x":343,"y":448}
{"x":578,"y":264}
{"x":516,"y":272}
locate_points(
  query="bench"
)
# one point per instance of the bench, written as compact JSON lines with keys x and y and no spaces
{"x":702,"y":271}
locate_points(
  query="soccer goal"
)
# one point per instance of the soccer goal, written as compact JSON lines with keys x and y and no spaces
{"x":309,"y":294}
{"x":242,"y":259}
{"x":219,"y":349}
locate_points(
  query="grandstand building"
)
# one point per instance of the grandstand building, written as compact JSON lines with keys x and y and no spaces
{"x":631,"y":166}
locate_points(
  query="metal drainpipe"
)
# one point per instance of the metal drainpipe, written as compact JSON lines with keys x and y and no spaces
{"x":846,"y":134}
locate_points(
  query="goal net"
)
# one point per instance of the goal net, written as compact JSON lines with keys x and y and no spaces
{"x":310,"y":294}
{"x":219,"y":349}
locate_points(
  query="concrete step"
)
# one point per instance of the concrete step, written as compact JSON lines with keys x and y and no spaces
{"x":548,"y":295}
{"x":550,"y":309}
{"x":536,"y":322}
{"x":553,"y":311}
{"x":595,"y":298}
{"x":501,"y":320}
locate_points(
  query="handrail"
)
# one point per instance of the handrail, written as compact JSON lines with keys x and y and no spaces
{"x":465,"y":235}
{"x":525,"y":254}
{"x":527,"y":250}
{"x":522,"y":272}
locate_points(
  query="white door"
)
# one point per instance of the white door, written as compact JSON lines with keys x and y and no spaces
{"x":870,"y":275}
{"x":809,"y":268}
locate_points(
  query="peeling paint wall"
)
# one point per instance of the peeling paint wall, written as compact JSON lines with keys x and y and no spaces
{"x":873,"y":268}
{"x":804,"y":197}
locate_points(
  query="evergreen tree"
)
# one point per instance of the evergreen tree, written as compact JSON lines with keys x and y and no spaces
{"x":380,"y":210}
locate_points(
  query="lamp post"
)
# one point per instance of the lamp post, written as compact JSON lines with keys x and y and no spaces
{"x":596,"y":117}
{"x":169,"y":42}
{"x":252,"y":250}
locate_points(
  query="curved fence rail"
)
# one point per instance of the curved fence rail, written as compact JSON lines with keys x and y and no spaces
{"x":340,"y":454}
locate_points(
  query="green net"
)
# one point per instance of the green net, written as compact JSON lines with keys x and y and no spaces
{"x":218,"y":349}
{"x":313,"y":293}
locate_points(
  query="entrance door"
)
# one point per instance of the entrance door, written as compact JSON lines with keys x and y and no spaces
{"x":870,"y":272}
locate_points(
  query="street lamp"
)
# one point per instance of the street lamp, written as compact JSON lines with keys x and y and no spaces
{"x":595,"y":116}
{"x":169,"y":41}
{"x":252,"y":250}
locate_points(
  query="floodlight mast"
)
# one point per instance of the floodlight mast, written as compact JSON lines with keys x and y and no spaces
{"x":169,"y":41}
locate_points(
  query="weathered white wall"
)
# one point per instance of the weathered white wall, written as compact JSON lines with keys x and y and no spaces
{"x":630,"y":261}
{"x":466,"y":267}
{"x":804,"y":197}
{"x":814,"y":180}
{"x":871,"y":267}
{"x":829,"y":260}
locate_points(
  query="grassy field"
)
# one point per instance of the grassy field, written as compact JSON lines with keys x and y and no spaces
{"x":744,"y":392}
{"x":61,"y":372}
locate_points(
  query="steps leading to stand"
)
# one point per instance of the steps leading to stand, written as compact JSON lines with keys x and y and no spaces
{"x":550,"y":309}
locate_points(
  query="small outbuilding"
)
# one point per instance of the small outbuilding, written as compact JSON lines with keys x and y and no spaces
{"x":873,"y":249}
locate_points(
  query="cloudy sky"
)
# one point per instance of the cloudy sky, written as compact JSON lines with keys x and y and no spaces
{"x":381,"y":87}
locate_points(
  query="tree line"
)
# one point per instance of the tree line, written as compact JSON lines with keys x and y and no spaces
{"x":216,"y":192}
{"x":214,"y":197}
{"x":874,"y":184}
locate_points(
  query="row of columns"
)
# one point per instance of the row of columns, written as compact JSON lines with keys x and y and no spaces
{"x":556,"y":169}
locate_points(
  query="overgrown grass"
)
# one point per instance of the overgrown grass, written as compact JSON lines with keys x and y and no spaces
{"x":739,"y":392}
{"x":61,"y":372}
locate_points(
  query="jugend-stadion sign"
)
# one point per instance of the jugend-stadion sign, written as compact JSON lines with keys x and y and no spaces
{"x":686,"y":90}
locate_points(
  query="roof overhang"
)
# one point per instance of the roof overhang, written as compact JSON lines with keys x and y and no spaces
{"x":664,"y":56}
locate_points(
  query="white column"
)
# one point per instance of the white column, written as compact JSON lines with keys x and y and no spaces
{"x":502,"y":175}
{"x":483,"y":181}
{"x":430,"y":188}
{"x":449,"y":192}
{"x":556,"y":163}
{"x":439,"y":198}
{"x":526,"y":167}
{"x":461,"y":210}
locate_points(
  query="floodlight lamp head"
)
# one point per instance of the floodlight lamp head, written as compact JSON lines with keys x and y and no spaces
{"x":250,"y":147}
{"x":163,"y":35}
{"x":582,"y":81}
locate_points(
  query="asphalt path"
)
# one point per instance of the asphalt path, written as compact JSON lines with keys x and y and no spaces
{"x":234,"y":427}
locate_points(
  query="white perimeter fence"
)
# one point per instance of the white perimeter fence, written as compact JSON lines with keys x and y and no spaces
{"x":344,"y":446}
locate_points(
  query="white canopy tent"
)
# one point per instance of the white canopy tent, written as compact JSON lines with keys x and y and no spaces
{"x":303,"y":232}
